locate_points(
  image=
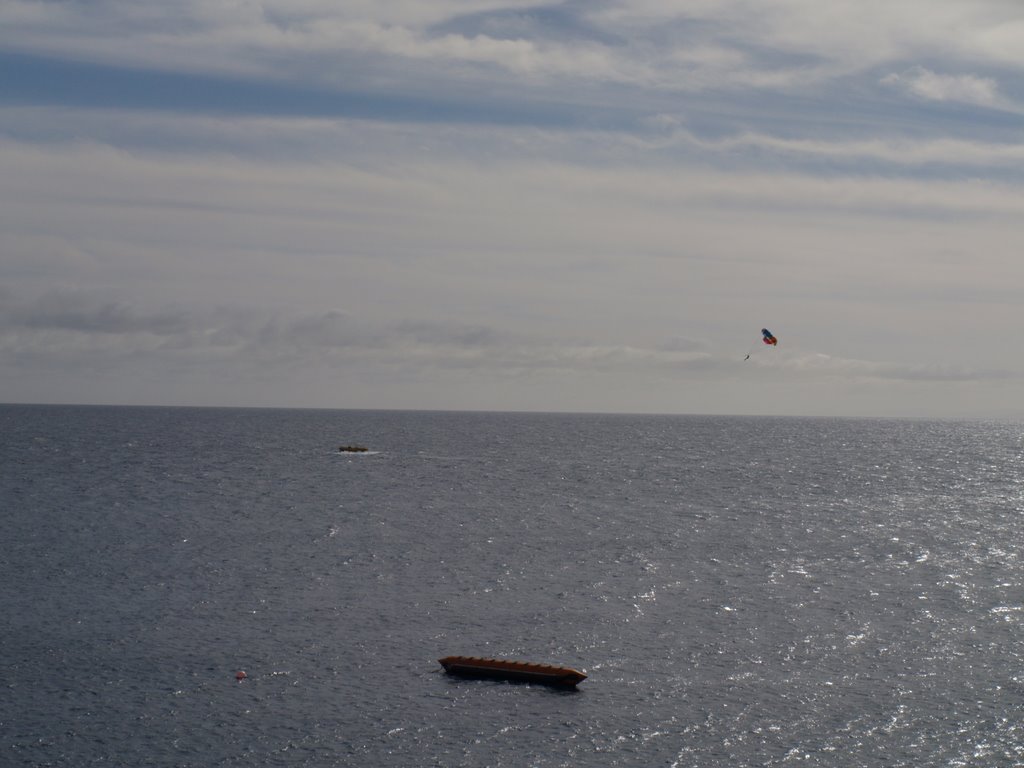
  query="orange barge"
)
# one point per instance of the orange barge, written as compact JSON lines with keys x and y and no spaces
{"x":506,"y":669}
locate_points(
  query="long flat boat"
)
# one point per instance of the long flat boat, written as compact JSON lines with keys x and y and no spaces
{"x":507,"y":669}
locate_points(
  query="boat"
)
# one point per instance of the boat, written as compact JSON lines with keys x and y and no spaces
{"x":352,"y":449}
{"x":507,"y":669}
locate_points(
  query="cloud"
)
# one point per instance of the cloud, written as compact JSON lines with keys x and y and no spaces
{"x":74,"y":312}
{"x":928,"y":85}
{"x":518,"y":63}
{"x":439,"y":235}
{"x":662,"y":138}
{"x":293,"y":41}
{"x":818,"y":364}
{"x":900,"y":153}
{"x":658,"y":45}
{"x":69,"y":328}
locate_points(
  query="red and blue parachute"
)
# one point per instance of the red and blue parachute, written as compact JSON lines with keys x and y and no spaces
{"x":767,"y":337}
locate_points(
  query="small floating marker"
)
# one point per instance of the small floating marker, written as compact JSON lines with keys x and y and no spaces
{"x":240,"y":675}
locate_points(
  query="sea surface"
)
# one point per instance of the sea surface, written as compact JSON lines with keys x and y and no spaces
{"x":740,"y":591}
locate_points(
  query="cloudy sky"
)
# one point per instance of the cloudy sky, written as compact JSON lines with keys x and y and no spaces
{"x":511,"y":205}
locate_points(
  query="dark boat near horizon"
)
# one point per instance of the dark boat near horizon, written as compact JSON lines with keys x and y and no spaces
{"x":507,"y":669}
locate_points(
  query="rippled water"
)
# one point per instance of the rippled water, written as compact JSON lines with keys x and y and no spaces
{"x":741,"y":591}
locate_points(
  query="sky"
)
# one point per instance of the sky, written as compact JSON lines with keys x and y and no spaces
{"x":510,"y":205}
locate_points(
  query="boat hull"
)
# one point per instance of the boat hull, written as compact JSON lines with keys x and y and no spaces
{"x":517,"y":671}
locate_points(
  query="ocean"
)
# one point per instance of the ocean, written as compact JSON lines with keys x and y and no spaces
{"x":740,"y":591}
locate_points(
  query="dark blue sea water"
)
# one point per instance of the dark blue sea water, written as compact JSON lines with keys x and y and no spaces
{"x":741,"y":591}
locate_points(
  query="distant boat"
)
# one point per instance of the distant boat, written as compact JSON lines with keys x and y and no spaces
{"x":352,"y":449}
{"x":505,"y":669}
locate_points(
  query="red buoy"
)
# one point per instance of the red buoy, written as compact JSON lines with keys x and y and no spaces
{"x":240,"y":675}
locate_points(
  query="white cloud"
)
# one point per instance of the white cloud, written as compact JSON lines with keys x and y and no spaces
{"x":663,"y":45}
{"x":802,"y":42}
{"x":901,"y":153}
{"x":968,"y":89}
{"x":863,"y":370}
{"x":610,"y":256}
{"x":519,"y":56}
